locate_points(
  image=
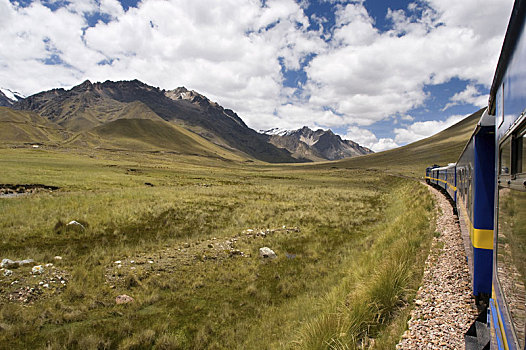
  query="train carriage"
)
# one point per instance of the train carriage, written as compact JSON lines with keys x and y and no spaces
{"x":451,"y":181}
{"x":508,"y":104}
{"x":475,"y":176}
{"x":490,"y":190}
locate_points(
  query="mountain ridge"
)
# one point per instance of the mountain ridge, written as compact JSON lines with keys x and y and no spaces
{"x":80,"y":108}
{"x":88,"y":106}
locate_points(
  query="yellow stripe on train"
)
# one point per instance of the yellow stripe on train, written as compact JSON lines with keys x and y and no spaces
{"x":480,"y":238}
{"x":444,"y":181}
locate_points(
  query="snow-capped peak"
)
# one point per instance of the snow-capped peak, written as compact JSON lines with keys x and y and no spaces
{"x":12,"y":95}
{"x":275,"y":131}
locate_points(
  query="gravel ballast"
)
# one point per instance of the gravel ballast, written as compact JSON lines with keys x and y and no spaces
{"x":444,"y":306}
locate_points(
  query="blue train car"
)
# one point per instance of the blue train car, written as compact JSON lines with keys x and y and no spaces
{"x":475,"y":174}
{"x":451,"y":181}
{"x":444,"y":178}
{"x":429,"y":174}
{"x":434,"y":175}
{"x":507,"y":311}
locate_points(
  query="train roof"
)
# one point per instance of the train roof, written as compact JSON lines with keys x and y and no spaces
{"x":485,"y":120}
{"x":449,"y":166}
{"x":510,"y":41}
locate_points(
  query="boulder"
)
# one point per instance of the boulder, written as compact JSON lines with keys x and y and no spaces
{"x":124,"y":299}
{"x":266,"y":252}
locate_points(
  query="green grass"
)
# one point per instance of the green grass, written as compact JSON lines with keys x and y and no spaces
{"x":346,"y":277}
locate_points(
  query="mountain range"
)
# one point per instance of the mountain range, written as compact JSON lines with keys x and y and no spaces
{"x":134,"y":115}
{"x":318,"y":145}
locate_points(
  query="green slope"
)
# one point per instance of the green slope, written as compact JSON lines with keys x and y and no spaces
{"x":411,"y":160}
{"x":148,"y":135}
{"x":19,"y":127}
{"x":82,"y":114}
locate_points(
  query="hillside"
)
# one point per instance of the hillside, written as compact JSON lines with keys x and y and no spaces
{"x":411,"y":160}
{"x":148,"y":135}
{"x":18,"y":127}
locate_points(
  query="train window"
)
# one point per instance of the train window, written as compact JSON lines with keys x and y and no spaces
{"x":511,"y":256}
{"x":505,"y":158}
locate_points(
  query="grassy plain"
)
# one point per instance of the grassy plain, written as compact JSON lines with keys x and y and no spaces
{"x":344,"y":277}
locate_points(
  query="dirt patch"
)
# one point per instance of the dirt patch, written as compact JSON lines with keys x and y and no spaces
{"x":14,"y":190}
{"x":23,"y":285}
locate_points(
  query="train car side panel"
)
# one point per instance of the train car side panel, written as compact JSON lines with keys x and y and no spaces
{"x":483,"y":205}
{"x":508,"y":103}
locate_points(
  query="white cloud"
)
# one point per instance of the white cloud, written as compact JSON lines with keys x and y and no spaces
{"x":370,"y":76}
{"x":230,"y":50}
{"x":414,"y":132}
{"x":469,"y":95}
{"x":368,"y":139}
{"x":421,"y":130}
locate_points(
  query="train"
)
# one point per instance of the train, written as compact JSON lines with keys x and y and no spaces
{"x":487,"y":186}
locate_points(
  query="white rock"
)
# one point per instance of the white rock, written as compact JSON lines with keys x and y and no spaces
{"x":8,"y":273}
{"x":58,"y":257}
{"x":8,"y":263}
{"x":266,"y":252}
{"x":37,"y":270}
{"x":49,"y":265}
{"x":118,"y":262}
{"x":45,"y":285}
{"x":123,"y":299}
{"x":73,"y":222}
{"x":25,"y":262}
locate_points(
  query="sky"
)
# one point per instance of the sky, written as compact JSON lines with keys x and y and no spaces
{"x":381,"y":73}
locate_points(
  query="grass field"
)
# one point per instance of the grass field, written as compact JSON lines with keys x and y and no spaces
{"x":186,"y":233}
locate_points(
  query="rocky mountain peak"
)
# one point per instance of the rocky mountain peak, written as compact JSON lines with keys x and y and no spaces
{"x":305,"y":143}
{"x":182,"y":93}
{"x":9,"y":97}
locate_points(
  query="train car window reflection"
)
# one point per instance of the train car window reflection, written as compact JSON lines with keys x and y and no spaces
{"x":511,"y":256}
{"x":505,"y":158}
{"x":520,"y":153}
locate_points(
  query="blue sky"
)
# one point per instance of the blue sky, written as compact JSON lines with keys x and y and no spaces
{"x":382,"y":73}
